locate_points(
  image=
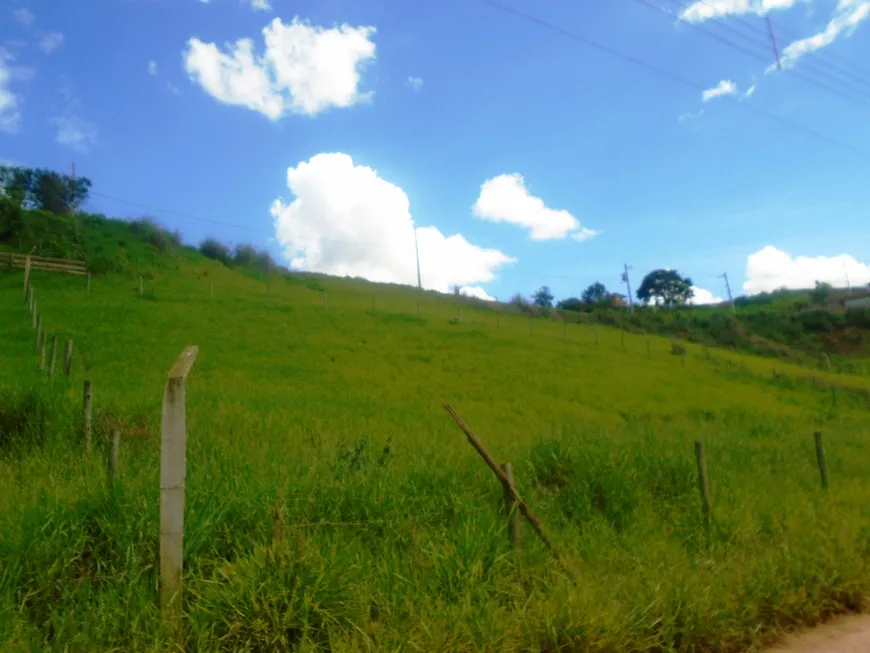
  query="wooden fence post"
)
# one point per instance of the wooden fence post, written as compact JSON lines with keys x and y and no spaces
{"x":89,"y":283}
{"x":113,"y":458}
{"x":41,"y":347}
{"x":820,"y":457}
{"x":67,"y":357}
{"x":38,"y":326}
{"x":28,"y":297}
{"x":703,"y":482}
{"x":683,"y":358}
{"x":52,"y":358}
{"x":26,"y":272}
{"x":172,"y":472}
{"x":511,"y":506}
{"x":87,"y":404}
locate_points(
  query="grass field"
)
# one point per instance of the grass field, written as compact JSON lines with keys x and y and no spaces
{"x":332,"y":504}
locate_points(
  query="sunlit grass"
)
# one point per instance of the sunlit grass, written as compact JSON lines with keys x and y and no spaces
{"x":332,"y":502}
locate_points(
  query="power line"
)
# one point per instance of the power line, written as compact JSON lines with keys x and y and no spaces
{"x":863,"y":76}
{"x":858,"y":100}
{"x":665,"y":73}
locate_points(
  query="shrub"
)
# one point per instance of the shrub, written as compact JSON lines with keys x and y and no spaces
{"x":216,"y":250}
{"x":159,"y":237}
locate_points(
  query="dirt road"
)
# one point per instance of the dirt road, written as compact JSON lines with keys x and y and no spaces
{"x":843,"y":635}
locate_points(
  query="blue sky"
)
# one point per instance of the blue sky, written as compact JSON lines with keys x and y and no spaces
{"x":327,"y":128}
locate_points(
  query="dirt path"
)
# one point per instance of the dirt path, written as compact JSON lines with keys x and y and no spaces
{"x":843,"y":635}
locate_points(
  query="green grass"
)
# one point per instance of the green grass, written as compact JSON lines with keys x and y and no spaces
{"x":333,"y":504}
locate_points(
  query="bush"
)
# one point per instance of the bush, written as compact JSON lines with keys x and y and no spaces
{"x":159,"y":237}
{"x":216,"y":250}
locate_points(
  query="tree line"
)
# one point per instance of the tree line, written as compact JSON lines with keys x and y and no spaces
{"x":660,"y":287}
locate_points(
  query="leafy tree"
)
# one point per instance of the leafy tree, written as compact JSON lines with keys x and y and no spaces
{"x":822,"y":292}
{"x":666,"y":287}
{"x":543,"y":297}
{"x":595,"y":294}
{"x":47,"y":190}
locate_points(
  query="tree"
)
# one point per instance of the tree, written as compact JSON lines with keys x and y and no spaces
{"x":216,"y":250}
{"x":570,"y":304}
{"x":666,"y":287}
{"x":822,"y":292}
{"x":543,"y":297}
{"x":43,"y":189}
{"x":595,"y":294}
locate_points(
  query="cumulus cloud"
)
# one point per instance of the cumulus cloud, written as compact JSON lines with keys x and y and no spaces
{"x":723,"y":88}
{"x":505,"y":199}
{"x":23,"y":16}
{"x":10,"y":114}
{"x":152,"y":67}
{"x":476,"y":291}
{"x":304,"y":69}
{"x":346,"y":220}
{"x":703,"y":296}
{"x":415,"y":83}
{"x":770,"y":269}
{"x":702,"y":10}
{"x":847,"y":17}
{"x":50,"y":42}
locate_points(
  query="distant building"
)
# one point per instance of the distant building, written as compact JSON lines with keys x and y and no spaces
{"x":857,"y":298}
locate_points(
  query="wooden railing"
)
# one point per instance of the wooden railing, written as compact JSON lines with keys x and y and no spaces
{"x":70,"y":266}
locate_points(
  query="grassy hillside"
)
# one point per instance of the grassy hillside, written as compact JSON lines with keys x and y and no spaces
{"x":333,"y":505}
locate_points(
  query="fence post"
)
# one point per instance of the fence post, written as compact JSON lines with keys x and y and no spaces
{"x":38,"y":326}
{"x":33,"y":317}
{"x":67,"y":357}
{"x":820,"y":457}
{"x":28,"y":297}
{"x":114,"y":456}
{"x":683,"y":358}
{"x":87,"y":403}
{"x":703,"y":482}
{"x":648,"y":348}
{"x":511,"y":506}
{"x":26,"y":272}
{"x":89,"y":283}
{"x":172,"y":472}
{"x":41,"y":347}
{"x":52,"y":358}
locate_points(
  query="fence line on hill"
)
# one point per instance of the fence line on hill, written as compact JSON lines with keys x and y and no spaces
{"x":173,"y":458}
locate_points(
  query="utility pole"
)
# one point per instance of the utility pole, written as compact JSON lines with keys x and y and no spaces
{"x":773,"y":42}
{"x":628,"y":286}
{"x":724,"y":275}
{"x":417,"y":250}
{"x":848,"y":283}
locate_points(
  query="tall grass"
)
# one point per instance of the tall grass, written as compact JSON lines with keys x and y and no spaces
{"x":333,"y":505}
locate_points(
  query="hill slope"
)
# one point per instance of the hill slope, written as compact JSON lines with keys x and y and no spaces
{"x":332,"y":503}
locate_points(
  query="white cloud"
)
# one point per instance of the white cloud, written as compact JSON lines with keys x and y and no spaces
{"x":10,"y":115}
{"x":50,"y":42}
{"x":259,"y":5}
{"x":849,"y":14}
{"x":415,"y":83}
{"x":23,"y":16}
{"x":702,"y":10}
{"x":505,"y":199}
{"x":476,"y":291}
{"x":770,"y":269}
{"x":74,"y":132}
{"x":692,"y":115}
{"x":152,"y":67}
{"x":703,"y":296}
{"x":346,"y":220}
{"x":723,"y":88}
{"x":304,"y":69}
{"x":750,"y":91}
